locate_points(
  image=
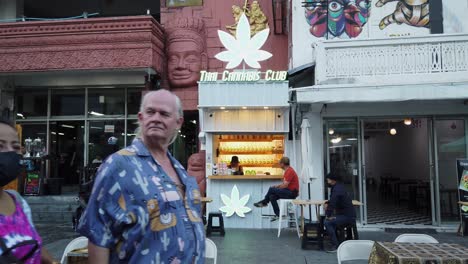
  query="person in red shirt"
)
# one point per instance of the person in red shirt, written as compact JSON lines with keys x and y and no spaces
{"x":289,"y":189}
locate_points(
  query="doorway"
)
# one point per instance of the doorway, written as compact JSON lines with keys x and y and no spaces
{"x":397,"y":170}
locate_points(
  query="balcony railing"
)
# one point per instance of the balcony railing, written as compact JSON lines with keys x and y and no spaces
{"x":429,"y":59}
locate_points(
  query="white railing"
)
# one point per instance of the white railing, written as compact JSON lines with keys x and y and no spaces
{"x":429,"y":59}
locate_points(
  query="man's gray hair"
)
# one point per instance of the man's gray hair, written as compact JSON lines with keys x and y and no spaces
{"x":179,"y":112}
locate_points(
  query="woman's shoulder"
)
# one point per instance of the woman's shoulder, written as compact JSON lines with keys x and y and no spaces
{"x":24,"y":206}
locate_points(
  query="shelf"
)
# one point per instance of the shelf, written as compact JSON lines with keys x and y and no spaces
{"x":269,"y":165}
{"x":251,"y":152}
{"x":245,"y":177}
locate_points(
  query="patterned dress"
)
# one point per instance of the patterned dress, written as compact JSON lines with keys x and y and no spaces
{"x":137,"y":212}
{"x":17,"y":228}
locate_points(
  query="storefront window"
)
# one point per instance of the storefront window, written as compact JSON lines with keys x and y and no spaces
{"x":451,"y":145}
{"x":106,"y":102}
{"x":32,"y":131}
{"x":133,"y":100}
{"x":132,"y":126}
{"x":66,"y":150}
{"x":69,"y":102}
{"x":31,"y":104}
{"x":105,"y":138}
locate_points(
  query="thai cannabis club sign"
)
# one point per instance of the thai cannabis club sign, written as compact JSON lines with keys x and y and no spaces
{"x":243,"y":49}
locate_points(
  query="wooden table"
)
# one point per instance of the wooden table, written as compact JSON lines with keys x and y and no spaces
{"x":78,"y":256}
{"x":414,"y":253}
{"x":317,"y":204}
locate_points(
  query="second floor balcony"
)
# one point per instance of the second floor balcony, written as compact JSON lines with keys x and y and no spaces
{"x":402,"y":61}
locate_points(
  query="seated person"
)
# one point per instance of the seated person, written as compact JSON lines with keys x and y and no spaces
{"x":289,"y":189}
{"x":338,"y":210}
{"x":235,"y":167}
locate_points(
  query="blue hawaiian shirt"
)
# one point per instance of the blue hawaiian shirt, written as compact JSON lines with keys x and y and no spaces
{"x":136,"y":211}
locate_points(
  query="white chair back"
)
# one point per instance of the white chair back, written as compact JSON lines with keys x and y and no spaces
{"x":77,"y":243}
{"x":354,"y":250}
{"x":415,"y":238}
{"x":211,"y":251}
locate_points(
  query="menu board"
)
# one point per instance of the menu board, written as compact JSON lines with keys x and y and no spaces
{"x":32,"y":184}
{"x":462,"y":169}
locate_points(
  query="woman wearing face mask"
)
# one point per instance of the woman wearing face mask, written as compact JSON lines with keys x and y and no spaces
{"x":19,"y":240}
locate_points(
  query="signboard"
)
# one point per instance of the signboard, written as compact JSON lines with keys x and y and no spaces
{"x":180,"y":3}
{"x":243,"y":46}
{"x":32,"y":184}
{"x":109,"y":128}
{"x":462,"y":176}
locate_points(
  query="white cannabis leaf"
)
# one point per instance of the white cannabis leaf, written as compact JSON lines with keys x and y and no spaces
{"x":234,"y":204}
{"x":242,"y":47}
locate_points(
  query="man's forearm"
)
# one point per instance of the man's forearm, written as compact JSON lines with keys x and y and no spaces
{"x":97,"y":255}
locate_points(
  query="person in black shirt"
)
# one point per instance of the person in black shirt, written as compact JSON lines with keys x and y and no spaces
{"x":236,"y":168}
{"x":339,"y":209}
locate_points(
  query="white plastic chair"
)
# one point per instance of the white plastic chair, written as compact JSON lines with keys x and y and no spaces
{"x":354,"y":250}
{"x":415,"y":238}
{"x":77,"y":243}
{"x":211,"y":251}
{"x":284,"y":211}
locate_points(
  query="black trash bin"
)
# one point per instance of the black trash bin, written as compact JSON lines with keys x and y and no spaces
{"x":54,"y":186}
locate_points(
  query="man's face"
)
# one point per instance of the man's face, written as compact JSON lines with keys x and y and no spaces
{"x":282,"y":166}
{"x":184,"y":63}
{"x":159,"y":119}
{"x":331,"y":182}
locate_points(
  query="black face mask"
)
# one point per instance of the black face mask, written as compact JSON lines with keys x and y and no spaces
{"x":9,"y":167}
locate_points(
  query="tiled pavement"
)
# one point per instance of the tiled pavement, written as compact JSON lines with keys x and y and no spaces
{"x":244,"y":246}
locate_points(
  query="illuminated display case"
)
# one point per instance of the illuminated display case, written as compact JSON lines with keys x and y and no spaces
{"x":258,"y":153}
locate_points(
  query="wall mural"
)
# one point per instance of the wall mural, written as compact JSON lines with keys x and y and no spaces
{"x":337,"y":18}
{"x":411,"y":12}
{"x":346,"y":18}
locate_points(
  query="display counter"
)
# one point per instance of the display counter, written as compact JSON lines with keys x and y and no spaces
{"x":258,"y":155}
{"x":245,"y":177}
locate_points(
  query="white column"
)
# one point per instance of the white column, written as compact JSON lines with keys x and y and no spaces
{"x":10,"y":9}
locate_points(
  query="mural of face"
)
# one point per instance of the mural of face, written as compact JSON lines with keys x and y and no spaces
{"x":337,"y":17}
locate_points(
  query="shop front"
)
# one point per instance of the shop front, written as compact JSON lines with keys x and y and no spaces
{"x":249,"y":121}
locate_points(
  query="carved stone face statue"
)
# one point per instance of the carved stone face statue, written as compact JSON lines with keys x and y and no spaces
{"x":196,"y":168}
{"x":186,"y":56}
{"x":185,"y":61}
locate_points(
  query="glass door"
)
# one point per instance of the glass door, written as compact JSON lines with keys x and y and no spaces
{"x":342,"y":152}
{"x":451,"y":144}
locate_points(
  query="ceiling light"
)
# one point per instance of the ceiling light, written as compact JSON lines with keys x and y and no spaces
{"x":352,"y":139}
{"x":331,"y":131}
{"x":336,"y":140}
{"x":53,"y":133}
{"x":96,"y":113}
{"x":67,"y":126}
{"x":61,"y":134}
{"x":222,"y":108}
{"x":393,"y":132}
{"x":193,"y":122}
{"x":407,"y":121}
{"x":20,"y":115}
{"x":265,"y":107}
{"x":244,"y":107}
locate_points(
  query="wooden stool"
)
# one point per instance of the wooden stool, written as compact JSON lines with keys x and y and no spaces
{"x":210,"y":228}
{"x":313,"y":233}
{"x":347,"y":232}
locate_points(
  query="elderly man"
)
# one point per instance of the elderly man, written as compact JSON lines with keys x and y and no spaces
{"x":289,"y":189}
{"x":144,"y":207}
